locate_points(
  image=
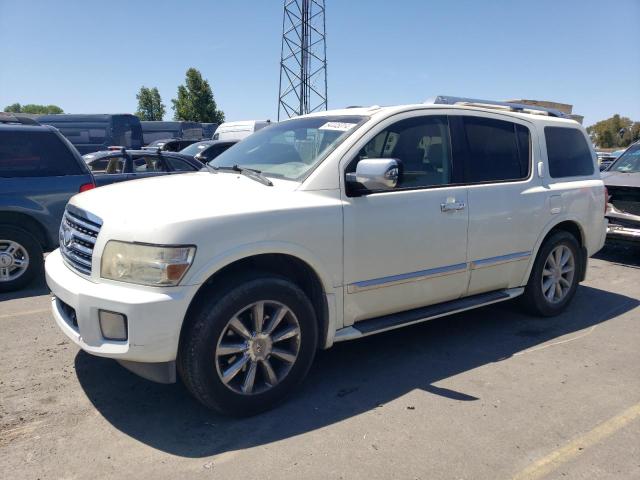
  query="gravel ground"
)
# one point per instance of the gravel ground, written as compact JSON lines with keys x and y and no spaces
{"x":488,"y":394}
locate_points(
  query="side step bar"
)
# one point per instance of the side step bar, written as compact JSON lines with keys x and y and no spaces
{"x":365,"y":328}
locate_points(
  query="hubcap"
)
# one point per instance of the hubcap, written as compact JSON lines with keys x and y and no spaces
{"x":258,"y":347}
{"x":558,"y":273}
{"x":14,"y":260}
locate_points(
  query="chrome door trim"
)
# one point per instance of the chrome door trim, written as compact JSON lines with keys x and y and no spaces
{"x":491,"y":261}
{"x":391,"y":280}
{"x":405,"y":278}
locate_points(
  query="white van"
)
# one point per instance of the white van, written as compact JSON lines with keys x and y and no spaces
{"x":239,"y":130}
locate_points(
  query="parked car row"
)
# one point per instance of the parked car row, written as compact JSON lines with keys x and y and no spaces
{"x":113,"y":166}
{"x":92,"y":133}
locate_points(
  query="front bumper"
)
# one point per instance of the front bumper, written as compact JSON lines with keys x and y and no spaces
{"x":154,"y":315}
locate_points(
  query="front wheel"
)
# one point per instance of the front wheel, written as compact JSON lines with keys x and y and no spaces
{"x":247,"y":347}
{"x":554,"y":277}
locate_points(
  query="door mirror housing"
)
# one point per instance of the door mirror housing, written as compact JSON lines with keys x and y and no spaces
{"x":375,"y":174}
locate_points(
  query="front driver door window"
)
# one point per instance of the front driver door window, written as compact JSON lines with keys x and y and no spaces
{"x":403,"y":249}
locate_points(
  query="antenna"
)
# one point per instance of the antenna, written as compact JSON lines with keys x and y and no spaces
{"x":303,"y":59}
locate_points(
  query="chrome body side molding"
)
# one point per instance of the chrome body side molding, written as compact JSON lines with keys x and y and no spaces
{"x":491,"y":261}
{"x":405,"y":277}
{"x":434,"y":272}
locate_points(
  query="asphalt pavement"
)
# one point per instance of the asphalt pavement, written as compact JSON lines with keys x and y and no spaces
{"x":487,"y":394}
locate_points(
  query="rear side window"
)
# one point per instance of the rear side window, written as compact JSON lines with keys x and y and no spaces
{"x":496,"y":150}
{"x":35,"y":154}
{"x":568,"y":152}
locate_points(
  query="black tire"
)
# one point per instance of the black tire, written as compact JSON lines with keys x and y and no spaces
{"x":35,"y":256}
{"x":206,"y":324}
{"x":533,"y":298}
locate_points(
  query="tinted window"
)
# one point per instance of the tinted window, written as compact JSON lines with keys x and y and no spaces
{"x":109,"y":165}
{"x":35,"y":154}
{"x":213,"y":152}
{"x":421,"y":144}
{"x":179,"y":165}
{"x":148,"y":164}
{"x":568,"y":152}
{"x":496,"y":150}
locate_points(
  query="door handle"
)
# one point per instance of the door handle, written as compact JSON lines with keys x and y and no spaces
{"x":452,"y":206}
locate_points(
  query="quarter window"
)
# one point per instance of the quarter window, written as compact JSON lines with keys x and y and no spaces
{"x":422,"y":146}
{"x":35,"y":154}
{"x":568,"y":152}
{"x":497,"y":150}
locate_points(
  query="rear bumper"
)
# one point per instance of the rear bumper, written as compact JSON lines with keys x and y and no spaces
{"x":154,"y":316}
{"x":618,"y":234}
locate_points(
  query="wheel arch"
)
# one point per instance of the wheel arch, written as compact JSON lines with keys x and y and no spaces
{"x":571,"y":226}
{"x":28,"y":223}
{"x":284,"y":265}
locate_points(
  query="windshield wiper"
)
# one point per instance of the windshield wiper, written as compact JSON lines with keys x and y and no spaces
{"x":248,"y":172}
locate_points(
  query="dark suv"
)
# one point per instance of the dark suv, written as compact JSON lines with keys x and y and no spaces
{"x":39,"y":171}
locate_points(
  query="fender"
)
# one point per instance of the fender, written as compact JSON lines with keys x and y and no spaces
{"x":333,"y":293}
{"x":556,"y":220}
{"x":197,"y":277}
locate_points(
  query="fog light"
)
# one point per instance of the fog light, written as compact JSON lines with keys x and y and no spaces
{"x":113,"y":325}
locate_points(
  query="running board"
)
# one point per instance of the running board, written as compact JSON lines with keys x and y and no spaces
{"x":389,"y":322}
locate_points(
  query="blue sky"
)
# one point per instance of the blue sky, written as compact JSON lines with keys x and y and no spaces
{"x":92,"y":56}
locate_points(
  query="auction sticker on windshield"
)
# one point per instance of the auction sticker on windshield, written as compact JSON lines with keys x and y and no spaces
{"x":340,"y":126}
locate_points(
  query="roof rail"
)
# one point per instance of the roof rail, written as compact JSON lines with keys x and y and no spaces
{"x":514,"y":107}
{"x":10,"y":117}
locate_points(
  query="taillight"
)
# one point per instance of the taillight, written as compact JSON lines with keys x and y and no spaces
{"x":86,"y":186}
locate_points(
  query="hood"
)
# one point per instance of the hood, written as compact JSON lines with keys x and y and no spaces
{"x":178,"y":198}
{"x":621,"y":179}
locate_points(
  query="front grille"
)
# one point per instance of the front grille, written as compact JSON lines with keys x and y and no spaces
{"x":78,"y":233}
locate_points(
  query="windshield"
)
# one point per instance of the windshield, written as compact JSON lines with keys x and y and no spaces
{"x":290,"y":149}
{"x":629,"y":161}
{"x":195,"y":148}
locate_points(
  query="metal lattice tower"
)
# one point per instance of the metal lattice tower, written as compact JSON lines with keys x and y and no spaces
{"x":303,"y":58}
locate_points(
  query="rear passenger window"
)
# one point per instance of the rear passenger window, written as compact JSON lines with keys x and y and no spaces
{"x":497,"y":150}
{"x":568,"y":152}
{"x":35,"y":154}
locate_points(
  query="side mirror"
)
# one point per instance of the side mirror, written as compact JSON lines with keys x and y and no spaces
{"x":376,"y":173}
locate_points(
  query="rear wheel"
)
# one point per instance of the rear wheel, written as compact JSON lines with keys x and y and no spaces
{"x":554,"y":278}
{"x":249,"y":346}
{"x":20,"y":258}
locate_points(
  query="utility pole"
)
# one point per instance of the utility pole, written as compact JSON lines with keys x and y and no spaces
{"x":303,"y":59}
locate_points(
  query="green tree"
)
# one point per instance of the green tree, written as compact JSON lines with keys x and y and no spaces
{"x":33,"y":108}
{"x":13,"y":108}
{"x":195,"y":100}
{"x":614,"y":132}
{"x":150,"y":106}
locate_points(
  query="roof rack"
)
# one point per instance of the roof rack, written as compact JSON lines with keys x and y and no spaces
{"x":9,"y":117}
{"x":513,"y":107}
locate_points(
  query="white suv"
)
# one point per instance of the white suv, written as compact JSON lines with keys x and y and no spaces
{"x":324,"y":228}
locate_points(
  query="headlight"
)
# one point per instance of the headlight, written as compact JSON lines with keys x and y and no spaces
{"x":146,"y":264}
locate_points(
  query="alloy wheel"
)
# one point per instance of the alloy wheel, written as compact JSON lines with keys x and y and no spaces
{"x":258,"y":347}
{"x":558,"y":274}
{"x":14,"y":260}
